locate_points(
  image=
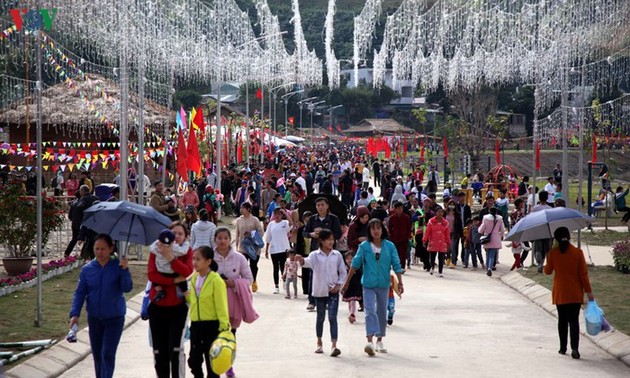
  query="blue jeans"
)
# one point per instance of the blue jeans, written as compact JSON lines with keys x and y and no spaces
{"x":375,"y":304}
{"x":104,"y":338}
{"x":473,"y":252}
{"x":391,"y":308}
{"x":332,"y":301}
{"x":491,"y":257}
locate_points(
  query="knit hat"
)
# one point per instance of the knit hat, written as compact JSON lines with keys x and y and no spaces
{"x":166,"y":236}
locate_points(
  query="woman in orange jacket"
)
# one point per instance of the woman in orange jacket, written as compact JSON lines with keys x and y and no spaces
{"x":437,"y":239}
{"x":569,"y":285}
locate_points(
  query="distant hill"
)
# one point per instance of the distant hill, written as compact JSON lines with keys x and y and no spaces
{"x":313,"y":14}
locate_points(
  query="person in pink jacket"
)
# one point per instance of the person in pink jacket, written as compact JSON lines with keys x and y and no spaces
{"x":492,"y":224}
{"x":437,"y":239}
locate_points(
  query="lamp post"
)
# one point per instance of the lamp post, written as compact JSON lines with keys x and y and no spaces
{"x":306,"y":100}
{"x":285,"y":98}
{"x":330,"y":112}
{"x":311,"y":108}
{"x":274,"y":92}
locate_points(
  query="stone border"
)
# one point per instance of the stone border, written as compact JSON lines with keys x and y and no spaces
{"x":62,"y":356}
{"x":46,"y":276}
{"x":616,"y":343}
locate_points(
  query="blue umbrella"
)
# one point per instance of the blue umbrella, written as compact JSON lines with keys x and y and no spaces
{"x":126,"y":221}
{"x":542,"y":224}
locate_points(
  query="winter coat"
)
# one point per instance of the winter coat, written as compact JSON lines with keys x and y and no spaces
{"x":202,"y":233}
{"x":486,"y":228}
{"x":398,"y":195}
{"x":102,"y":287}
{"x":437,"y":235}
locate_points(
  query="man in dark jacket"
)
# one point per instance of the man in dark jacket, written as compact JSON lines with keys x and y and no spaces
{"x":327,"y":185}
{"x":85,"y":236}
{"x":323,"y":219}
{"x":399,"y":229}
{"x":345,"y":188}
{"x":376,"y":170}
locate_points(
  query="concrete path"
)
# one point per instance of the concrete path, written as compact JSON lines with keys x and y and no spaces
{"x":463,"y":324}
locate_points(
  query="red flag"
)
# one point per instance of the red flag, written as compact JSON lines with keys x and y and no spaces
{"x":193,"y":160}
{"x":182,"y":156}
{"x":594,"y":153}
{"x":405,"y":149}
{"x":537,"y":156}
{"x":445,"y":147}
{"x":199,"y":121}
{"x":388,"y":150}
{"x":259,"y":94}
{"x":292,"y":120}
{"x":497,"y":151}
{"x":239,"y":150}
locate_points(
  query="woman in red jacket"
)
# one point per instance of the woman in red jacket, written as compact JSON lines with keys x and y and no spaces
{"x":570,"y":282}
{"x":437,"y":239}
{"x":168,"y":311}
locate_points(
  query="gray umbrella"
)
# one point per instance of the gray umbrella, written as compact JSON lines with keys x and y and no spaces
{"x":126,"y":221}
{"x":542,"y":224}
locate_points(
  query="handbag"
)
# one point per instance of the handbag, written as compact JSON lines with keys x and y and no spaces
{"x":485,"y":239}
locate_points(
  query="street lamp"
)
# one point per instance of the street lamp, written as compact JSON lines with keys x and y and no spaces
{"x":300,"y":104}
{"x":285,"y":98}
{"x":330,"y":112}
{"x":311,"y":108}
{"x":274,"y":92}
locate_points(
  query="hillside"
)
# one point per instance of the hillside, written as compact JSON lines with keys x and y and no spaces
{"x":313,"y":14}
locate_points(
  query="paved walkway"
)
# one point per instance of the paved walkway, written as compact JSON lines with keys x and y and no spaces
{"x":465,"y":323}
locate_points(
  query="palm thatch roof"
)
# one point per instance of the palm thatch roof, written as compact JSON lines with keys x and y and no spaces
{"x":373,"y":126}
{"x":86,"y":102}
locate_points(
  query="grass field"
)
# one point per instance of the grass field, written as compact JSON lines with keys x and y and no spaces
{"x":610,"y":289}
{"x":18,"y":308}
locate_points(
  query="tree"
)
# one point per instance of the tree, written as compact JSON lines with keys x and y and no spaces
{"x":472,"y":128}
{"x":187,"y":98}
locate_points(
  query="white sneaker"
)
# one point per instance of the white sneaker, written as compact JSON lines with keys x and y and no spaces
{"x":380,"y":347}
{"x":369,"y":349}
{"x":276,"y":291}
{"x":441,"y":275}
{"x":431,"y":271}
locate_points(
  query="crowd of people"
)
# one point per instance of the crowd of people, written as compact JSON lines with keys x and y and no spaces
{"x":316,"y":215}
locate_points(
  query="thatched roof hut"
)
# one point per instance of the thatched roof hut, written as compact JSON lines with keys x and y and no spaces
{"x":369,"y":127}
{"x":93,"y":102}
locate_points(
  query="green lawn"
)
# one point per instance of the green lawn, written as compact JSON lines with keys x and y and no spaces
{"x":611,"y":292}
{"x":18,"y":308}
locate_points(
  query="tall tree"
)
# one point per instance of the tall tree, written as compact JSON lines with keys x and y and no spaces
{"x":476,"y":124}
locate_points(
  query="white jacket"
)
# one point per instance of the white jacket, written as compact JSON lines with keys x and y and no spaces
{"x":202,"y":233}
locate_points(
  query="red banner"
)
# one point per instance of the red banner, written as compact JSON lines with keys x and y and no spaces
{"x":594,"y":152}
{"x":259,"y":94}
{"x":537,"y":156}
{"x":193,"y":160}
{"x":182,"y":156}
{"x":445,"y":147}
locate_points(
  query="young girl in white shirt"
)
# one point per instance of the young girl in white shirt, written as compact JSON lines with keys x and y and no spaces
{"x":329,"y":275}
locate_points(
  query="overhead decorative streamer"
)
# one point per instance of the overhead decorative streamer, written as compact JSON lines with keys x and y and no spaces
{"x":332,"y":64}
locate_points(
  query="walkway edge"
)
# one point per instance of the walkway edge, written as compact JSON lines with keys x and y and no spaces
{"x":53,"y":362}
{"x":615,"y":343}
